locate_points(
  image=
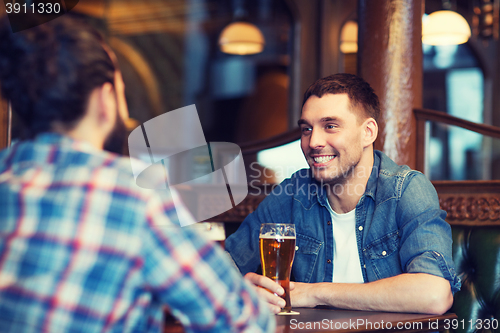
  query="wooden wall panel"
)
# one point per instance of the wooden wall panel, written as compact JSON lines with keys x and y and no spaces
{"x":4,"y":124}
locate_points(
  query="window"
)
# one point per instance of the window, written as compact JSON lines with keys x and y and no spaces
{"x":454,"y":83}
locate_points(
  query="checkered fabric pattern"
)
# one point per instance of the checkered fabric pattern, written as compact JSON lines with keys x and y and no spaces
{"x":84,"y":249}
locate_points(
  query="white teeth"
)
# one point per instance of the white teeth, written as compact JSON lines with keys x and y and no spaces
{"x":323,"y":159}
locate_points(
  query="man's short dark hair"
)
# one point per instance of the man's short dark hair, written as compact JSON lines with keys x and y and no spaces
{"x":48,"y":72}
{"x":359,"y":91}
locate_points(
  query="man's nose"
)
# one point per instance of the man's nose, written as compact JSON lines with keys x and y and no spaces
{"x":317,"y":140}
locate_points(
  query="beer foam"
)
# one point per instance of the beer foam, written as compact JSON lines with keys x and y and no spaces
{"x":276,"y":237}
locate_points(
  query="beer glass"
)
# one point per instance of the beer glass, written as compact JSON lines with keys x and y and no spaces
{"x":277,"y":250}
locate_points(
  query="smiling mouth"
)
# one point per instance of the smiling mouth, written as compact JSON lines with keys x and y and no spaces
{"x":323,"y":159}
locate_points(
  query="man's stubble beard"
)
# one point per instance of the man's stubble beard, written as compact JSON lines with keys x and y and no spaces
{"x":342,"y":175}
{"x":115,"y":140}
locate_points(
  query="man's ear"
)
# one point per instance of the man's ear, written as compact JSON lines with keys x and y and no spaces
{"x":370,"y":132}
{"x":107,"y":104}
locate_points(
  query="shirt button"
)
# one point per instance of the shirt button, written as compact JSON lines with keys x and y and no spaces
{"x":384,"y":253}
{"x":328,"y":261}
{"x":296,"y":248}
{"x":360,"y":228}
{"x":364,"y":266}
{"x":329,"y":222}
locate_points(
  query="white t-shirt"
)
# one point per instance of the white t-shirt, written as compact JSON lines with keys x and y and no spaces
{"x":346,"y":264}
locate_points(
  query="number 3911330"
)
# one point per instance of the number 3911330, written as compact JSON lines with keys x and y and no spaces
{"x":472,"y":324}
{"x":39,"y":8}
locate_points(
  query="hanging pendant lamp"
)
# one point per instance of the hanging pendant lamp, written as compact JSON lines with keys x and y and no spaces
{"x":241,"y":38}
{"x":349,"y":37}
{"x":445,"y":27}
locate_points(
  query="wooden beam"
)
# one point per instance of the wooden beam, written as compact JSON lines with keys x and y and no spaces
{"x":390,"y":60}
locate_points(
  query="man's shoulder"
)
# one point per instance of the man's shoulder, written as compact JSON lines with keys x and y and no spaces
{"x":69,"y":161}
{"x":392,"y":177}
{"x":93,"y":160}
{"x":116,"y":169}
{"x":390,"y":168}
{"x":386,"y":167}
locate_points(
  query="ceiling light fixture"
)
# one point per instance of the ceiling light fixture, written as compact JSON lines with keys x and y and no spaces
{"x":349,"y":37}
{"x":241,"y":38}
{"x":445,"y":27}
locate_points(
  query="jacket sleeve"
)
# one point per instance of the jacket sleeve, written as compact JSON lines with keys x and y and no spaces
{"x":426,"y":242}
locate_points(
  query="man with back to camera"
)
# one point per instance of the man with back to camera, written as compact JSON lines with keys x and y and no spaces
{"x":370,"y":233}
{"x":82,"y":247}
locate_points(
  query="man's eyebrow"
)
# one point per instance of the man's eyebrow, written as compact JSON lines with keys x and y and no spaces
{"x":322,"y":120}
{"x":326,"y":119}
{"x":302,"y":122}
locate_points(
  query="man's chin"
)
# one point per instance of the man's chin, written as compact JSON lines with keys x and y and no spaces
{"x":324,"y":177}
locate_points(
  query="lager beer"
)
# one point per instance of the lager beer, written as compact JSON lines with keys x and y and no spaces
{"x":277,"y":250}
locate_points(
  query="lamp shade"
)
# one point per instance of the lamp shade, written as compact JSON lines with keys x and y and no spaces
{"x":349,"y":37}
{"x":445,"y":27}
{"x":241,"y":38}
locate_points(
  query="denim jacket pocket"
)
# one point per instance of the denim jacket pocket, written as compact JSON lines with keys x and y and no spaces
{"x":383,"y":255}
{"x":306,"y":255}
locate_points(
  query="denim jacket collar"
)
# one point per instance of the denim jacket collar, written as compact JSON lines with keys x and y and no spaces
{"x":371,"y":185}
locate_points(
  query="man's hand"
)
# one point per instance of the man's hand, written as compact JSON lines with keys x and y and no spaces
{"x":267,"y":290}
{"x":301,"y":295}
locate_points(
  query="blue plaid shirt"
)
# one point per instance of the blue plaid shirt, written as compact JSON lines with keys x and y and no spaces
{"x":84,"y":249}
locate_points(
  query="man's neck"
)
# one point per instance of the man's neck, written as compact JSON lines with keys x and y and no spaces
{"x":344,"y":197}
{"x":82,"y":132}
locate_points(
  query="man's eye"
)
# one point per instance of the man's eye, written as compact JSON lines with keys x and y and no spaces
{"x":305,"y":129}
{"x":330,"y":126}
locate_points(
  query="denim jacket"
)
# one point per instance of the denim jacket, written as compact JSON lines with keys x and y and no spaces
{"x":399,"y":227}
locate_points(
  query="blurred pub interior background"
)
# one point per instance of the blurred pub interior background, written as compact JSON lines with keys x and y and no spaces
{"x":170,"y":57}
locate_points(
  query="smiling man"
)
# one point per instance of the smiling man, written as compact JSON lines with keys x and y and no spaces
{"x":370,"y":233}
